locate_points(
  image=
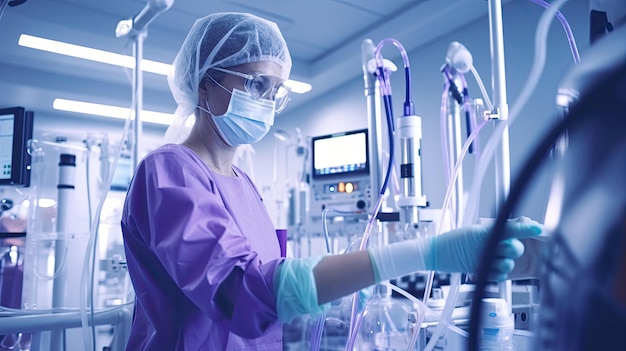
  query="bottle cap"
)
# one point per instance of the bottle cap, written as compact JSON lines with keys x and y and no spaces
{"x":496,"y":316}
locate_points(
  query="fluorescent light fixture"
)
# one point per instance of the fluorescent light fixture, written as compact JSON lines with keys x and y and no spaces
{"x":87,"y":53}
{"x":111,"y":111}
{"x":298,"y":87}
{"x":83,"y":52}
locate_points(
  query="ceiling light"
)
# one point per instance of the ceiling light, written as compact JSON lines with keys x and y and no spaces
{"x":111,"y":111}
{"x":111,"y":58}
{"x":298,"y":87}
{"x":83,"y":52}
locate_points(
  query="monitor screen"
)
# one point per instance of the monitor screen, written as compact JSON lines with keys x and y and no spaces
{"x":16,"y":128}
{"x":340,"y":154}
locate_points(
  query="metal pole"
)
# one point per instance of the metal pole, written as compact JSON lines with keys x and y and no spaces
{"x":455,"y":146}
{"x":502,"y":156}
{"x":372,"y":97}
{"x":138,"y":98}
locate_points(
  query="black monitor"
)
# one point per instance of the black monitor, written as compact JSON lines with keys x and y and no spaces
{"x":340,"y":154}
{"x":16,"y":128}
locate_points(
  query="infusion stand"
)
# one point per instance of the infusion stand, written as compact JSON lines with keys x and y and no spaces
{"x":136,"y":29}
{"x":500,"y":115}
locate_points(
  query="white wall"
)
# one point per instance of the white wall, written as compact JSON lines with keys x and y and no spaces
{"x":345,"y":108}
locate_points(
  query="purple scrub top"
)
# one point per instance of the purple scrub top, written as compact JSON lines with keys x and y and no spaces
{"x":201,"y":252}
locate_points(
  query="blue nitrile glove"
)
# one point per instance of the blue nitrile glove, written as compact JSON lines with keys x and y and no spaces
{"x":459,"y":249}
{"x":454,"y":251}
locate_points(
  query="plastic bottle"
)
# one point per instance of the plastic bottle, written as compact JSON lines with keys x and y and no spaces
{"x":497,"y":327}
{"x":385,"y":325}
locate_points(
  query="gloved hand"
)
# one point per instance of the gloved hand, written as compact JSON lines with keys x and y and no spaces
{"x":459,"y":249}
{"x":454,"y":251}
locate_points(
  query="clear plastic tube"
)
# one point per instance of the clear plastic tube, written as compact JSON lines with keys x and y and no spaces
{"x":91,"y":247}
{"x":325,"y":225}
{"x":316,"y":335}
{"x":448,"y":197}
{"x":318,"y":331}
{"x":446,"y":314}
{"x":541,"y":37}
{"x":363,"y":245}
{"x":467,"y":107}
{"x":455,"y":281}
{"x":421,"y":313}
{"x":481,"y":86}
{"x":385,"y":89}
{"x":422,"y":310}
{"x":568,"y":31}
{"x":444,"y":127}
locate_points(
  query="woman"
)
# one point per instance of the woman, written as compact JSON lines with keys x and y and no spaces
{"x":201,"y":248}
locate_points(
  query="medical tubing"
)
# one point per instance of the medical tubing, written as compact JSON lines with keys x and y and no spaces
{"x":446,"y":314}
{"x":385,"y":88}
{"x":390,"y":165}
{"x":444,"y":127}
{"x":91,"y":245}
{"x":422,"y":309}
{"x":318,"y":330}
{"x":481,"y":86}
{"x":530,"y":167}
{"x":566,"y":28}
{"x":325,"y":226}
{"x":447,"y":198}
{"x":541,"y":38}
{"x":409,"y":107}
{"x":316,"y":336}
{"x":455,"y":282}
{"x":93,"y":264}
{"x":357,"y":326}
{"x":368,"y":229}
{"x":470,"y":117}
{"x":3,"y":7}
{"x":527,"y":171}
{"x":381,"y":196}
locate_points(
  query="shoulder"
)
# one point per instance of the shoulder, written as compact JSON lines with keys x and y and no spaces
{"x":173,"y":165}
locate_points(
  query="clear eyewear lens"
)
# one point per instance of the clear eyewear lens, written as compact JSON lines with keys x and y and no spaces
{"x":283,"y":94}
{"x":264,"y":86}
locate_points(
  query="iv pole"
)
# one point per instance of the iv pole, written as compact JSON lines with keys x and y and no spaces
{"x":136,"y":29}
{"x":500,"y":115}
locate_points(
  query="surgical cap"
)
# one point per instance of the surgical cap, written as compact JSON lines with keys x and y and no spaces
{"x":220,"y":40}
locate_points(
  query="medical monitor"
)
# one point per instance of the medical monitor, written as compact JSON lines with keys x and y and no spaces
{"x":340,"y":154}
{"x":16,"y":128}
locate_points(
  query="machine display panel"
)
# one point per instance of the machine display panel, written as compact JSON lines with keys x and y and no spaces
{"x":340,"y":154}
{"x":16,"y":128}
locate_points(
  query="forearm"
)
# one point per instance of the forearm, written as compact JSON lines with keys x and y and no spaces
{"x":339,"y":275}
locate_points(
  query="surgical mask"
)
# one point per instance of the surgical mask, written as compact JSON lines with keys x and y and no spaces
{"x":246,"y":121}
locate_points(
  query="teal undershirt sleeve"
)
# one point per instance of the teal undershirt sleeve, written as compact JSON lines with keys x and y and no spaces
{"x":296,"y":292}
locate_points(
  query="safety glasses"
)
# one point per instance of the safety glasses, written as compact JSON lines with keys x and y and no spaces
{"x":264,"y":86}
